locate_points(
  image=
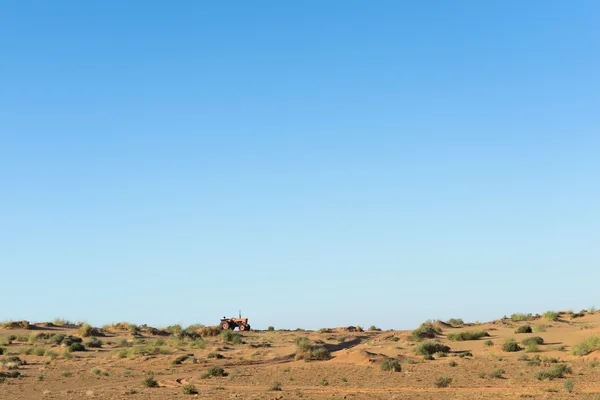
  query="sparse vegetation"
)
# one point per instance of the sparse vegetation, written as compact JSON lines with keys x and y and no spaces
{"x":488,"y":343}
{"x":214,"y":371}
{"x":189,"y":389}
{"x":521,"y":317}
{"x":452,"y":363}
{"x":390,"y":364}
{"x":94,"y":343}
{"x":466,"y":335}
{"x":569,"y":385}
{"x":426,"y":331}
{"x":523,"y":329}
{"x":150,"y":382}
{"x":308,"y":351}
{"x":586,"y":346}
{"x":510,"y":345}
{"x":231,"y":337}
{"x":550,"y":315}
{"x":275,"y":387}
{"x":455,"y":322}
{"x":271,"y":328}
{"x":429,"y":348}
{"x":442,"y":381}
{"x":555,"y":372}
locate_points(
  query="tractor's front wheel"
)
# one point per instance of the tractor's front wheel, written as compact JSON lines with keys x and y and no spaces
{"x":225,"y":325}
{"x":243,"y":327}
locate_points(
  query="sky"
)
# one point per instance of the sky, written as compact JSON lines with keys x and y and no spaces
{"x":314,"y":164}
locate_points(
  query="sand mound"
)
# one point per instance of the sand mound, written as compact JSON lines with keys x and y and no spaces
{"x":442,"y":324}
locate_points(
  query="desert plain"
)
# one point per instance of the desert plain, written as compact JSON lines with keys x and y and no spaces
{"x":555,"y":355}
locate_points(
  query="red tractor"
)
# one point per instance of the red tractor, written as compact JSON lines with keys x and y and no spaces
{"x":232,"y":323}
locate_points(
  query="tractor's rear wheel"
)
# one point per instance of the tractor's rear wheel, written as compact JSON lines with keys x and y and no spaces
{"x":242,"y":327}
{"x":225,"y":325}
{"x":247,"y":327}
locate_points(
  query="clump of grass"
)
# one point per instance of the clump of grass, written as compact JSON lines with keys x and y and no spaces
{"x":452,"y":363}
{"x":390,"y":364}
{"x":214,"y":371}
{"x":67,"y":374}
{"x":551,"y":315}
{"x":497,"y":373}
{"x":569,"y":385}
{"x":488,"y":343}
{"x":189,"y":389}
{"x":521,"y":317}
{"x":324,"y":382}
{"x":532,"y":340}
{"x":429,"y":348}
{"x":308,"y":351}
{"x":586,"y":346}
{"x":466,"y":335}
{"x":539,"y":328}
{"x":275,"y":387}
{"x":215,"y":355}
{"x":150,"y":382}
{"x":481,"y":374}
{"x":96,"y":371}
{"x":455,"y":322}
{"x":465,"y":354}
{"x":442,"y":381}
{"x":231,"y":337}
{"x":94,"y":343}
{"x":523,"y":329}
{"x":180,"y":359}
{"x":426,"y":331}
{"x":373,"y":328}
{"x":510,"y":345}
{"x":555,"y":372}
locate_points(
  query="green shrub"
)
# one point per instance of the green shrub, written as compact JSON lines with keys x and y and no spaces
{"x":452,"y":363}
{"x":550,"y":315}
{"x":85,"y":330}
{"x":538,"y":328}
{"x":555,"y":372}
{"x":76,"y":347}
{"x":271,"y":328}
{"x":466,"y":335}
{"x":215,"y":355}
{"x":523,"y":329}
{"x":425,"y":331}
{"x":532,"y":348}
{"x":511,"y":346}
{"x":569,"y":385}
{"x":442,"y":381}
{"x":231,"y":337}
{"x":373,"y":328}
{"x":455,"y":321}
{"x":317,"y":353}
{"x":497,"y":373}
{"x":532,"y":340}
{"x":390,"y":364}
{"x":150,"y":382}
{"x":488,"y":343}
{"x":94,"y":343}
{"x":189,"y":389}
{"x":214,"y":371}
{"x":521,"y":317}
{"x":586,"y":346}
{"x":465,"y":354}
{"x":430,"y":348}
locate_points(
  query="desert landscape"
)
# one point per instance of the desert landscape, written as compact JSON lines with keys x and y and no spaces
{"x":553,"y":355}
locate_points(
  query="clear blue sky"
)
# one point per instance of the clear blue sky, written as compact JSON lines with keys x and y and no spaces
{"x":312,"y":163}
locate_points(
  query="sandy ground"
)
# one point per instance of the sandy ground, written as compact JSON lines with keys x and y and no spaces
{"x":266,"y":358}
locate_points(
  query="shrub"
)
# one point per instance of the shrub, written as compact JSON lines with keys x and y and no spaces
{"x":85,"y":330}
{"x":307,"y":350}
{"x":94,"y":343}
{"x":523,"y":329}
{"x":215,"y":355}
{"x":150,"y":382}
{"x":550,"y":315}
{"x":276,"y":387}
{"x":180,"y":359}
{"x":373,"y":328}
{"x":488,"y":343}
{"x":497,"y":373}
{"x":390,"y":364}
{"x":189,"y":389}
{"x":452,"y":363}
{"x":569,"y":385}
{"x":534,"y":361}
{"x":455,"y":321}
{"x":465,"y":354}
{"x":539,"y":328}
{"x":466,"y":335}
{"x":511,"y":346}
{"x":532,"y":348}
{"x":425,"y":331}
{"x":271,"y":328}
{"x":215,"y":371}
{"x":76,"y":347}
{"x":430,"y":348}
{"x":442,"y":381}
{"x":521,"y":317}
{"x":481,"y":374}
{"x":586,"y":346}
{"x":532,"y":340}
{"x":231,"y":337}
{"x":95,"y":371}
{"x":317,"y":353}
{"x":557,"y":371}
